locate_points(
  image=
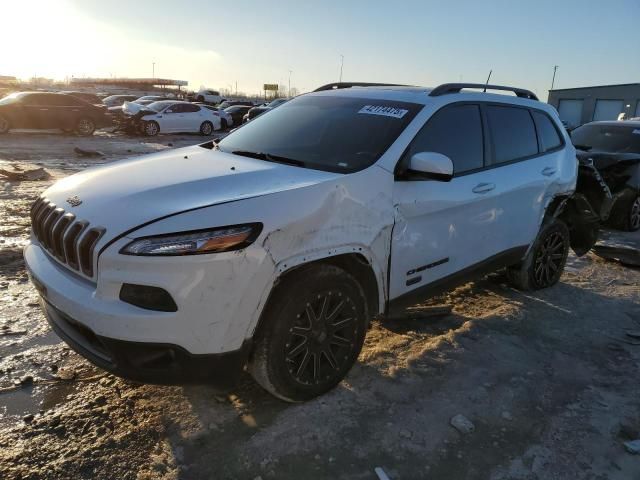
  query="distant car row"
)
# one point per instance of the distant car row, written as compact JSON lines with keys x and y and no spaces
{"x":83,"y":113}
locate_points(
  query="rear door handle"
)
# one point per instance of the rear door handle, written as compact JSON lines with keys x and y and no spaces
{"x":483,"y":187}
{"x":547,"y":172}
{"x":44,"y":109}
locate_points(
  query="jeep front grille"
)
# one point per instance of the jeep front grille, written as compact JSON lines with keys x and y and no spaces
{"x":69,"y":240}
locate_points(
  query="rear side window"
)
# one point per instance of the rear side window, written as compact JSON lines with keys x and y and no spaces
{"x":456,"y":132}
{"x":185,"y":108}
{"x":37,"y":99}
{"x":512,"y":132}
{"x":547,"y":133}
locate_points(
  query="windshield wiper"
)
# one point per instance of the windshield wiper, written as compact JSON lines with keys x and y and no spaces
{"x":269,"y":157}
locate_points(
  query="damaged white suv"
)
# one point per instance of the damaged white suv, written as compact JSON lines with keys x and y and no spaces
{"x":274,"y":248}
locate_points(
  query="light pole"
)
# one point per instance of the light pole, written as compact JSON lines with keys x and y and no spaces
{"x":289,"y":95}
{"x":341,"y":65}
{"x":553,"y":80}
{"x":153,"y":69}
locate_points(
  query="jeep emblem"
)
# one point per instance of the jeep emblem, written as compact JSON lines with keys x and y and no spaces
{"x":74,"y":201}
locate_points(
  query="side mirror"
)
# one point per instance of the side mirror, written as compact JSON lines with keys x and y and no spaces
{"x":432,"y":164}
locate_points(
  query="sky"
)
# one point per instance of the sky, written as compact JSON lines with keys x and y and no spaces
{"x":428,"y":42}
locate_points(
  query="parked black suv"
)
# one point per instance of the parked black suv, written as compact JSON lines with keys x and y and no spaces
{"x":43,"y":110}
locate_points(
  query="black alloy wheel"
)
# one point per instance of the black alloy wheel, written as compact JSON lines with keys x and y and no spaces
{"x":321,"y":338}
{"x":633,"y":222}
{"x":310,"y":333}
{"x":544,"y":262}
{"x":549,"y":260}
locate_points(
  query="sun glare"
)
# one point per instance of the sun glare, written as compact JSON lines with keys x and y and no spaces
{"x":56,"y":37}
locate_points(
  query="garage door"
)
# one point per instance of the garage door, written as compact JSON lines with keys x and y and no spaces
{"x":608,"y":109}
{"x":570,"y":111}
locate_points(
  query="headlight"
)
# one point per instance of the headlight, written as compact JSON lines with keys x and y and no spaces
{"x":195,"y":242}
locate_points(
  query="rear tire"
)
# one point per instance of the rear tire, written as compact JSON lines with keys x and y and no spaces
{"x":85,"y":127}
{"x":200,"y":98}
{"x":223,"y":124}
{"x":206,"y":128}
{"x":151,"y":128}
{"x":544,"y":263}
{"x":311,"y":333}
{"x":4,"y":125}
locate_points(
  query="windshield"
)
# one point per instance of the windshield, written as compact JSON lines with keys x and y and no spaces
{"x":10,"y":98}
{"x":608,"y":138}
{"x":332,"y":133}
{"x":158,"y":106}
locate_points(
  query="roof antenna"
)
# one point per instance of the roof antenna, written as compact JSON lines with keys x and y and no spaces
{"x":487,"y":83}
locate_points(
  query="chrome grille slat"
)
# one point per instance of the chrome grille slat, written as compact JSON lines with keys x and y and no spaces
{"x":48,"y":226}
{"x":57,"y":234}
{"x":44,"y":220}
{"x":39,"y":216}
{"x":70,"y":243}
{"x":69,"y":240}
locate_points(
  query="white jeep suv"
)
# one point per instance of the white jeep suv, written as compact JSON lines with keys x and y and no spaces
{"x":274,"y":248}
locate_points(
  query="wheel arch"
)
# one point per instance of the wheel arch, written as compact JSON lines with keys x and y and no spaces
{"x":355,"y":263}
{"x":579,"y":216}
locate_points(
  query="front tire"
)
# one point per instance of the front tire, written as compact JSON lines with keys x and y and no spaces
{"x":223,"y":124}
{"x":544,"y":263}
{"x":311,"y":333}
{"x":85,"y":127}
{"x":200,"y":98}
{"x":4,"y":125}
{"x":151,"y":128}
{"x":206,"y":129}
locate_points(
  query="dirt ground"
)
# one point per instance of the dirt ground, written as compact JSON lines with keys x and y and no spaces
{"x":549,"y":380}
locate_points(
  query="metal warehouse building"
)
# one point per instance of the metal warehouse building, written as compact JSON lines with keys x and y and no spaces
{"x":586,"y":104}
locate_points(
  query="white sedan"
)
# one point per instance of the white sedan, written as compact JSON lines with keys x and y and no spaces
{"x":170,"y":116}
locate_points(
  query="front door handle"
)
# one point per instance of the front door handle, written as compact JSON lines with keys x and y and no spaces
{"x":547,"y":172}
{"x":44,"y":109}
{"x":483,"y":187}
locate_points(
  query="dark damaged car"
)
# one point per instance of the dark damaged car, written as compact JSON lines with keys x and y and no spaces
{"x":612,"y":149}
{"x":45,"y":110}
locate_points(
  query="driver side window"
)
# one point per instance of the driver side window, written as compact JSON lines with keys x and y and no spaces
{"x":454,"y":131}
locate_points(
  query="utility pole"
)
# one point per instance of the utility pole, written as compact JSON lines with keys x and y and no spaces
{"x":553,"y":80}
{"x":341,"y":65}
{"x":289,"y":94}
{"x":153,"y":69}
{"x":236,"y":88}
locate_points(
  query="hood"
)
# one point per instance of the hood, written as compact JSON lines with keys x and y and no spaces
{"x":125,"y":194}
{"x":132,"y":108}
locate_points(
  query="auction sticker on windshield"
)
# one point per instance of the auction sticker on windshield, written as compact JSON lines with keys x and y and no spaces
{"x":384,"y":111}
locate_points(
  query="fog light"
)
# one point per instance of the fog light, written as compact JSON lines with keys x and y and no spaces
{"x":149,"y":298}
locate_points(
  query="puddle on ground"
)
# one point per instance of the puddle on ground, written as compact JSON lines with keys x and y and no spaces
{"x":34,"y":398}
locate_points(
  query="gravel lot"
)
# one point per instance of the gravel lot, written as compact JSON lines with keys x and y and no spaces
{"x":549,"y":380}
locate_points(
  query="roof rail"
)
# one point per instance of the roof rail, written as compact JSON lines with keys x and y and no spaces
{"x":446,"y":88}
{"x":337,"y":85}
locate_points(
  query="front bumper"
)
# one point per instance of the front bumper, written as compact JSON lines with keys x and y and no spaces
{"x":218,"y":297}
{"x":158,"y":363}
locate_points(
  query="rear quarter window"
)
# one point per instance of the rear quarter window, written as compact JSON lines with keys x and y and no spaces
{"x":547,"y":132}
{"x":513,"y":133}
